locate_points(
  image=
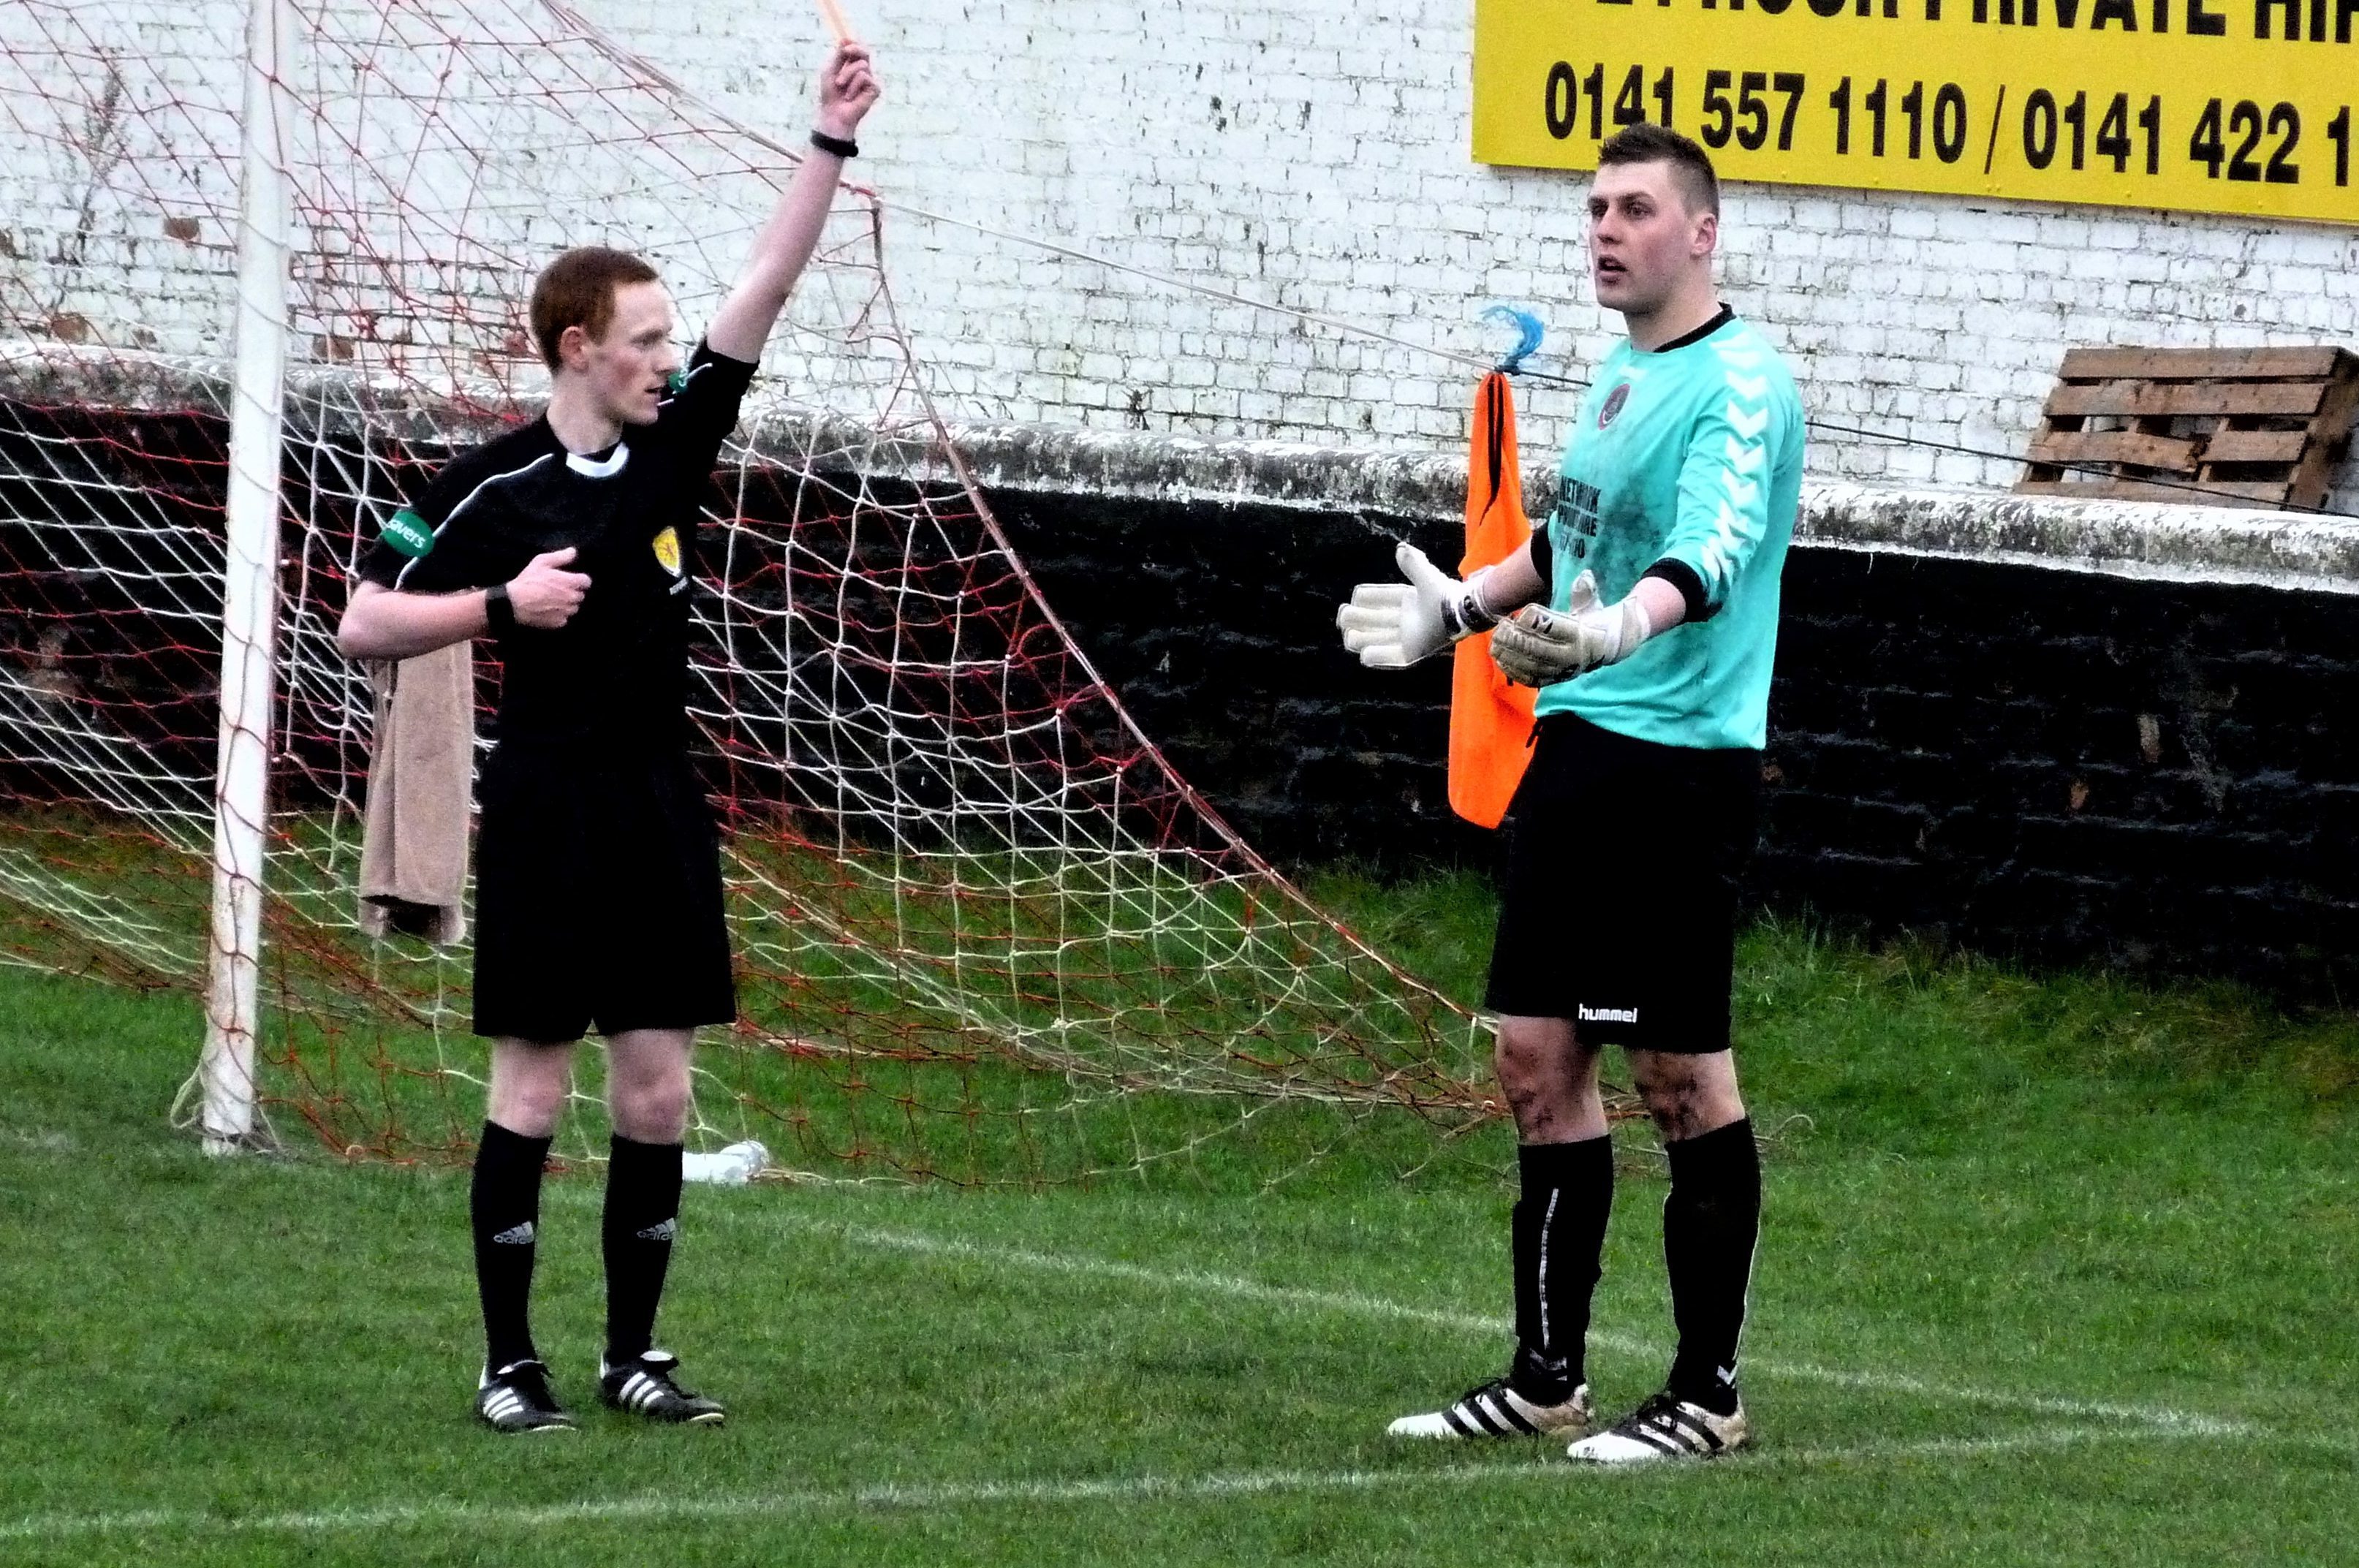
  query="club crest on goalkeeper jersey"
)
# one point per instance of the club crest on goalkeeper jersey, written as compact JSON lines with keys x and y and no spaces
{"x":1692,"y":455}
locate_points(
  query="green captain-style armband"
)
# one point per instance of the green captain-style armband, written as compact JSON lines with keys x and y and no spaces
{"x":407,"y":532}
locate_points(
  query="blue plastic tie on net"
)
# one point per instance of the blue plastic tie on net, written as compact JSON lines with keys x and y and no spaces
{"x":1528,"y":332}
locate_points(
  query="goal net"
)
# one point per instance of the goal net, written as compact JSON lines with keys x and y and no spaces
{"x":984,"y":931}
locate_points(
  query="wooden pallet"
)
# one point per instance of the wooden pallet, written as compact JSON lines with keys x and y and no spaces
{"x":2257,"y":427}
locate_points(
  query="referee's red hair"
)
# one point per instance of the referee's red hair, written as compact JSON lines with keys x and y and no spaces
{"x":577,"y":289}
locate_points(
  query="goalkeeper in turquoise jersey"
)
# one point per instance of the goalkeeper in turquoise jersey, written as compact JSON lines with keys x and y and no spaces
{"x":1646,"y":614}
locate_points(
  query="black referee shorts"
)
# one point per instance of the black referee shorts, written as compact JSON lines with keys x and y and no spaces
{"x":1618,"y":894}
{"x":597,"y":895}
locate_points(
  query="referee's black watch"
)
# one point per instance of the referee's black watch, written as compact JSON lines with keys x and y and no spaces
{"x":499,"y":610}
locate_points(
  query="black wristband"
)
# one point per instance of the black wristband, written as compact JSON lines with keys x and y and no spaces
{"x":499,"y":610}
{"x":835,"y":145}
{"x":1682,"y":576}
{"x":1465,"y":612}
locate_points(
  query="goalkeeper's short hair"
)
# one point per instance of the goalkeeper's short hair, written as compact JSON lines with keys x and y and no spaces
{"x":1647,"y":142}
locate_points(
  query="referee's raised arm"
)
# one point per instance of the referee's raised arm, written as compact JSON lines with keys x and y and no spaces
{"x":847,"y":89}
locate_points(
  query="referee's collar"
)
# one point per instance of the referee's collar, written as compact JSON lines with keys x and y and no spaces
{"x":604,"y":467}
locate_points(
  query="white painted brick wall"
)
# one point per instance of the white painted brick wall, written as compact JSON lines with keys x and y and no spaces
{"x":1314,"y":156}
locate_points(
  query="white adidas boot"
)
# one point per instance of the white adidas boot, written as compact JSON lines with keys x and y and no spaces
{"x":1663,"y":1428}
{"x":1495,"y":1409}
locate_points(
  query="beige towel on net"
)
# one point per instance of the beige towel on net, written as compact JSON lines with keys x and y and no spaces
{"x":414,"y":848}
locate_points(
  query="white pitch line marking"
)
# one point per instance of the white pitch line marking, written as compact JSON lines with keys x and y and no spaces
{"x":925,"y":1244}
{"x":889,"y":1496}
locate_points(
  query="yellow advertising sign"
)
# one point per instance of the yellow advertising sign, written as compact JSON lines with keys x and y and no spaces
{"x":2208,"y":105}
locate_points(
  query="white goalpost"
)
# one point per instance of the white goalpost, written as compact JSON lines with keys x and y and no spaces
{"x":250,"y":591}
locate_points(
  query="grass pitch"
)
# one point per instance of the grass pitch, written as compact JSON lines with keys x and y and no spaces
{"x":2053,"y":1271}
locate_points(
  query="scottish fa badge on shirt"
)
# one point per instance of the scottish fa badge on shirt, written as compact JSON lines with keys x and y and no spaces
{"x":667,"y":557}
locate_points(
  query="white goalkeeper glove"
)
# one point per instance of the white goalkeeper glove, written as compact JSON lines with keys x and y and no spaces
{"x":1391,"y":626}
{"x":1539,"y":646}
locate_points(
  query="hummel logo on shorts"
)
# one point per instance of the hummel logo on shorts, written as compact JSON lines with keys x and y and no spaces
{"x":516,"y":1236}
{"x":1589,"y":1014}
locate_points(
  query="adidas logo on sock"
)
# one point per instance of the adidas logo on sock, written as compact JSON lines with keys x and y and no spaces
{"x":516,"y":1236}
{"x":664,"y":1231}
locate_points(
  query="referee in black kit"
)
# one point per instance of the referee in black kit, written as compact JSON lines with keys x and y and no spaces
{"x":571,"y":540}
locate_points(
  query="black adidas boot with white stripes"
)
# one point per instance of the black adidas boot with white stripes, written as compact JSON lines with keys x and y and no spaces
{"x":517,"y":1399}
{"x":645,"y":1385}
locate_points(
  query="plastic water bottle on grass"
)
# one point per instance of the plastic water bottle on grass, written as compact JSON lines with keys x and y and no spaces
{"x":732,"y":1167}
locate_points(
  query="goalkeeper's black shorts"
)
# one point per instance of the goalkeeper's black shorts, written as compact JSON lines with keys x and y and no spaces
{"x":597,"y":894}
{"x":1618,"y":895}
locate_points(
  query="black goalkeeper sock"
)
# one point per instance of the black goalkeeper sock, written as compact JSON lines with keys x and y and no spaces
{"x":1558,"y":1231}
{"x":1711,"y":1222}
{"x":642,"y":1217}
{"x":504,"y":1207}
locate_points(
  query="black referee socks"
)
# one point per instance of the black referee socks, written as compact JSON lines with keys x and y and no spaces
{"x":642,"y":1218}
{"x":642,"y":1214}
{"x":1710,"y":1224}
{"x":1557,"y":1232}
{"x":504,"y":1206}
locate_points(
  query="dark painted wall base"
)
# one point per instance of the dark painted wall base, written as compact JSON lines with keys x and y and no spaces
{"x":2055,"y":766}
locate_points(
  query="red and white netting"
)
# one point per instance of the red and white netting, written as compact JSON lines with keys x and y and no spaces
{"x":984,"y":931}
